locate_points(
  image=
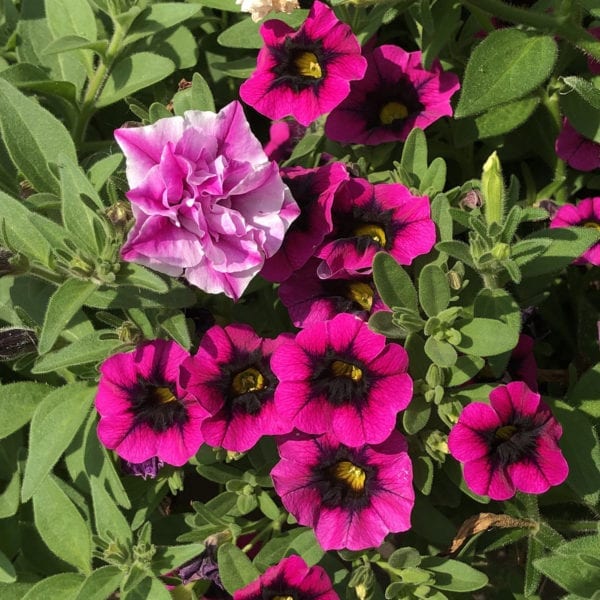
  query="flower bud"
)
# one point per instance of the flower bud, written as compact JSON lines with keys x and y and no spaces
{"x":16,"y":342}
{"x":492,"y":187}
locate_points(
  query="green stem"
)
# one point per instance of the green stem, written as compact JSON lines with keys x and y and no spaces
{"x":551,"y":103}
{"x":561,"y":25}
{"x":97,"y":82}
{"x":490,"y":281}
{"x":264,"y":532}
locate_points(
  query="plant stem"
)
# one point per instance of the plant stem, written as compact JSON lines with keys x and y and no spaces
{"x":561,"y":25}
{"x":560,"y":168}
{"x":97,"y":82}
{"x":490,"y":281}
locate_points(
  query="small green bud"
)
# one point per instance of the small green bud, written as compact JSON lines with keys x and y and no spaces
{"x":501,"y":251}
{"x":492,"y":187}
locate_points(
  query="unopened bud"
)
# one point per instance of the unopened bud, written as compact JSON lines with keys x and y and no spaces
{"x":16,"y":342}
{"x":492,"y":187}
{"x":471,"y":200}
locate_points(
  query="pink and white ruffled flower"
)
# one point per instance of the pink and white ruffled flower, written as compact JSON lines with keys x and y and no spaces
{"x":208,"y":204}
{"x":261,"y":8}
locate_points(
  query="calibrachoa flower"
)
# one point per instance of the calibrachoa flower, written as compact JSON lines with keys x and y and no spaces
{"x":292,"y":579}
{"x":146,"y":470}
{"x":370,"y":217}
{"x":231,"y":377}
{"x":145,"y":412}
{"x":283,"y":136}
{"x":577,"y":151}
{"x":521,"y":364}
{"x":396,"y":95}
{"x":585,"y":214}
{"x":352,"y":497}
{"x":260,"y":8}
{"x":207,"y":202}
{"x":509,"y":445}
{"x":304,"y":73}
{"x":340,"y":376}
{"x":310,"y":299}
{"x":314,"y":191}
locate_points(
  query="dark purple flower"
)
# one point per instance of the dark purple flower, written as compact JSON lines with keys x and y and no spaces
{"x":231,"y":377}
{"x":509,"y":445}
{"x":146,"y":470}
{"x":396,"y":95}
{"x":577,"y":151}
{"x":310,"y":299}
{"x":283,"y":137}
{"x":585,"y":214}
{"x":291,"y":579}
{"x":338,"y":376}
{"x":314,"y":191}
{"x":368,"y":218}
{"x":521,"y":365}
{"x":304,"y":73}
{"x":145,"y":412}
{"x":352,"y":497}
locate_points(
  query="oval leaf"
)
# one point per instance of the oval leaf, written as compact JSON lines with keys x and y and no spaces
{"x":18,"y":402}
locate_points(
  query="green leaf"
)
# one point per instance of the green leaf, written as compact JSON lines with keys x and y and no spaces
{"x":573,"y":574}
{"x":89,"y":349}
{"x":244,"y":34}
{"x":131,"y":74}
{"x":393,"y":283}
{"x":63,"y":304}
{"x":453,"y":575}
{"x":55,"y":516}
{"x":414,"y":153}
{"x":235,"y":568}
{"x":18,"y":402}
{"x":202,"y":98}
{"x":138,"y":276}
{"x":69,"y":43}
{"x":434,"y":291}
{"x":456,"y":249}
{"x":63,"y":585}
{"x":109,"y":521}
{"x":381,"y":322}
{"x":498,"y":304}
{"x":7,"y":571}
{"x":581,"y":448}
{"x":504,"y":118}
{"x":101,"y":170}
{"x":567,"y":243}
{"x":584,"y":394}
{"x":441,"y":353}
{"x":526,"y":250}
{"x":10,"y":498}
{"x":149,"y":587}
{"x":582,"y":106}
{"x":486,"y":337}
{"x":416,"y":415}
{"x":100,"y":584}
{"x":465,"y":368}
{"x":167,"y":557}
{"x":240,"y":68}
{"x":33,"y":137}
{"x":505,"y":66}
{"x":54,"y":424}
{"x":18,"y":230}
{"x":158,"y":17}
{"x":423,"y":474}
{"x":29,"y":77}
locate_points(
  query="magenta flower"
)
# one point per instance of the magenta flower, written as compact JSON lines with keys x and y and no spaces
{"x":283,"y":137}
{"x":521,"y":365}
{"x":304,"y":73}
{"x":310,"y":299}
{"x":291,"y":578}
{"x":509,"y":446}
{"x":585,"y":214}
{"x":577,"y":151}
{"x":352,"y":497}
{"x":340,"y":376}
{"x":370,"y":217}
{"x":145,"y":412}
{"x":314,"y":191}
{"x":396,"y":95}
{"x":208,"y":204}
{"x":231,"y":377}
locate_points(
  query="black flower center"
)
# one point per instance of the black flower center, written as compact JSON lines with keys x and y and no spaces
{"x":300,"y":63}
{"x":156,"y":405}
{"x":341,"y":380}
{"x":514,"y":442}
{"x":344,"y":479}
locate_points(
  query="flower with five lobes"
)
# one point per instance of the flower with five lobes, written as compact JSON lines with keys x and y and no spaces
{"x":352,"y":496}
{"x":291,"y":579}
{"x":208,"y":204}
{"x":509,"y":445}
{"x":338,"y":376}
{"x":304,"y":73}
{"x":144,"y":410}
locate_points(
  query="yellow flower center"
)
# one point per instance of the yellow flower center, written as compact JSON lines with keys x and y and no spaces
{"x":361,"y":293}
{"x":505,"y":432}
{"x":592,"y":225}
{"x":376,"y":233}
{"x":343,"y":369}
{"x":308,"y":65}
{"x":354,"y":477}
{"x":392,"y":111}
{"x":248,"y":380}
{"x":282,"y":598}
{"x":164,"y":395}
